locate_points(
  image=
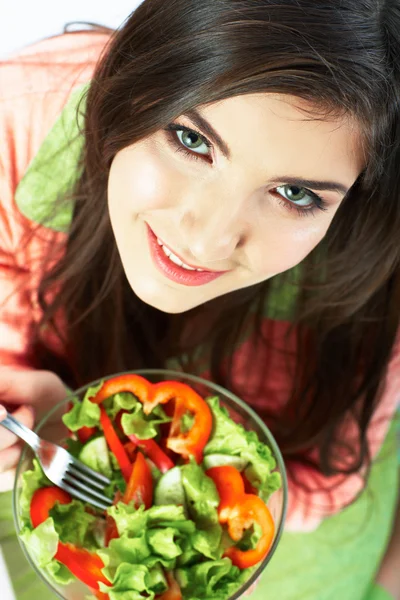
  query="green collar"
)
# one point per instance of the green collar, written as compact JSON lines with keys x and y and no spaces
{"x":54,"y":170}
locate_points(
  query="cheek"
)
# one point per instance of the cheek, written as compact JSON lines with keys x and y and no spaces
{"x":138,"y":180}
{"x":285,"y":246}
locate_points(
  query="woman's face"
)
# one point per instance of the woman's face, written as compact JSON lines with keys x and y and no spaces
{"x":227,"y":197}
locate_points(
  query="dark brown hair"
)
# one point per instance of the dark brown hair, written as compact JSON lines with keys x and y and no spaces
{"x":169,"y":57}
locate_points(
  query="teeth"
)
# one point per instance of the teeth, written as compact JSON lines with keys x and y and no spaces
{"x":173,"y":258}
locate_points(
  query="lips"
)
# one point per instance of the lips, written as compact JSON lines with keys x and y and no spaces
{"x":175,"y":269}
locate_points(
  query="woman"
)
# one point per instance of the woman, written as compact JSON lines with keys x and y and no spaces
{"x":215,"y":188}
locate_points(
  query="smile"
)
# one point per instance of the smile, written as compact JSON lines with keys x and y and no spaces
{"x":174,"y":268}
{"x":175,"y":259}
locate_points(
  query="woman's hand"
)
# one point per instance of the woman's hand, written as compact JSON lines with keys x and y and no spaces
{"x":28,"y":395}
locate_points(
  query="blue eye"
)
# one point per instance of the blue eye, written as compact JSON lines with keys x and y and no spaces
{"x":298,"y":196}
{"x":193,"y":141}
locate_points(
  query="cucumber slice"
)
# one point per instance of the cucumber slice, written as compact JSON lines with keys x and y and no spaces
{"x":221,"y":460}
{"x":96,"y":456}
{"x":169,"y":490}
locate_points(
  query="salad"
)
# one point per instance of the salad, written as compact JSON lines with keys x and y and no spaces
{"x":189,"y":486}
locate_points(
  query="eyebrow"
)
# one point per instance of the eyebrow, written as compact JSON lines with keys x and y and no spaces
{"x":209,"y":130}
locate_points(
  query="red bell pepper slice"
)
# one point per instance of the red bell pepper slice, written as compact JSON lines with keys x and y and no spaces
{"x":173,"y":592}
{"x":43,"y":500}
{"x":83,"y":564}
{"x":137,"y":385}
{"x":140,"y":486}
{"x":186,"y":400}
{"x":115,"y":444}
{"x":154,"y":452}
{"x":130,"y":448}
{"x":85,"y":433}
{"x":230,"y":487}
{"x":240,"y":511}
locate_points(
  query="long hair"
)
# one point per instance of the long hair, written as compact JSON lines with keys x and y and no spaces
{"x":341,"y":56}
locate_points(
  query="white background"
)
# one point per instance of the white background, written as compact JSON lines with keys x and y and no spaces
{"x":23,"y":22}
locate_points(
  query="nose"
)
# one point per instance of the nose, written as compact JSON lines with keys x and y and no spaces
{"x":215,"y":226}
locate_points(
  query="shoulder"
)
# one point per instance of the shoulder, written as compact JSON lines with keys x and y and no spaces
{"x":35,"y":86}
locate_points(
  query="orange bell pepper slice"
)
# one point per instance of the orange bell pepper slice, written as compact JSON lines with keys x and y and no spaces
{"x":186,"y":400}
{"x":240,"y":511}
{"x":83,"y":564}
{"x":140,"y":486}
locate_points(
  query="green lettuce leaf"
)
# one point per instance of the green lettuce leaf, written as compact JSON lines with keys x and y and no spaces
{"x":121,"y":401}
{"x":85,"y":413}
{"x":128,"y":519}
{"x":250,"y":537}
{"x":228,"y":437}
{"x":41,"y":542}
{"x":133,"y":550}
{"x":74,"y":447}
{"x":74,"y":525}
{"x":138,"y":424}
{"x":210,"y":579}
{"x":208,"y":542}
{"x":164,"y":541}
{"x":156,"y":580}
{"x":128,"y":583}
{"x":32,"y":480}
{"x":166,"y":512}
{"x":59,"y":573}
{"x":143,"y":426}
{"x":201,"y":495}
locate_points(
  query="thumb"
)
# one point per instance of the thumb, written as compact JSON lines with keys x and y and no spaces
{"x":3,"y":412}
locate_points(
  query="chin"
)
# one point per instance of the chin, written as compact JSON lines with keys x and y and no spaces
{"x":162,"y":299}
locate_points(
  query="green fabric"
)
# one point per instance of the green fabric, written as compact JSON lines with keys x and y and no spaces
{"x":54,"y":169}
{"x":377,"y":592}
{"x":338,"y":560}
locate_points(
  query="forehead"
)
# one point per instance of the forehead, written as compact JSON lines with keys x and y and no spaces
{"x":282,"y":131}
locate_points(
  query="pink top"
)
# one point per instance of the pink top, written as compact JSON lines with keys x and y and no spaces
{"x":34,"y":88}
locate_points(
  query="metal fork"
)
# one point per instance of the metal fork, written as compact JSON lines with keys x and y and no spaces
{"x":61,"y":468}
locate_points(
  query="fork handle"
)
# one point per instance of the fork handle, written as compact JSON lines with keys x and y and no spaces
{"x":21,"y":431}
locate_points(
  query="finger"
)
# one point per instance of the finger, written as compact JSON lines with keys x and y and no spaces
{"x":7,"y":480}
{"x":26,"y":415}
{"x":23,"y":386}
{"x":9,"y":458}
{"x":3,"y":412}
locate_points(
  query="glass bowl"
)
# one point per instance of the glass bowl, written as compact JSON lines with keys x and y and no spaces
{"x":52,"y":429}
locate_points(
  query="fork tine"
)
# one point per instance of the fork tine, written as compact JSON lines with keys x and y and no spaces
{"x":88,"y":471}
{"x":84,"y":477}
{"x":70,"y":479}
{"x":78,"y":494}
